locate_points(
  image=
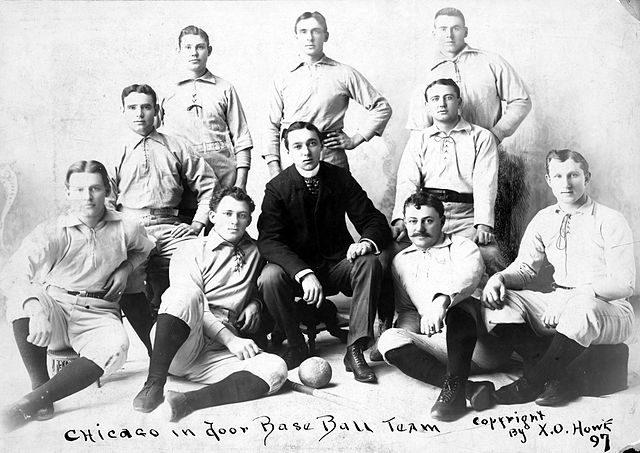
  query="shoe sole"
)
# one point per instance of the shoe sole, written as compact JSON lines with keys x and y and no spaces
{"x":373,"y":378}
{"x":146,"y":410}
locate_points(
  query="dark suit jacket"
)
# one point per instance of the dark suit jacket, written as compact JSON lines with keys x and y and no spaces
{"x":297,"y":233}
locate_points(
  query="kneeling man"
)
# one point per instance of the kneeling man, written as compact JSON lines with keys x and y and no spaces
{"x":434,"y":280}
{"x":590,"y":248}
{"x":206,"y":314}
{"x":64,"y":284}
{"x":310,"y":253}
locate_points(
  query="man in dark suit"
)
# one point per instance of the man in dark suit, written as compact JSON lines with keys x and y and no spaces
{"x":303,"y":235}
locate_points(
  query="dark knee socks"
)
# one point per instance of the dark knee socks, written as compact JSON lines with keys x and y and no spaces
{"x":524,"y":341}
{"x":171,"y":333}
{"x":235,"y":388}
{"x":461,"y":341}
{"x":418,"y":364}
{"x":555,"y":361}
{"x":137,"y":310}
{"x":74,"y":377}
{"x":34,"y":357}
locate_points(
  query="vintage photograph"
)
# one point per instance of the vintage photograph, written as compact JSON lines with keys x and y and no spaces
{"x":274,"y":225}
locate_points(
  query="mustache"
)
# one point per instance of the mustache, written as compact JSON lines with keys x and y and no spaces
{"x":426,"y":235}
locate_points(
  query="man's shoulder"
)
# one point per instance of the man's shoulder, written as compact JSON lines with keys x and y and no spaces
{"x":606,"y":213}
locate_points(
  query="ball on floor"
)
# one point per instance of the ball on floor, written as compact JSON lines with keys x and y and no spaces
{"x":315,"y":372}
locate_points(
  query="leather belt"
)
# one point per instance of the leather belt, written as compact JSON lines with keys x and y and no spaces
{"x":157,"y":212}
{"x":450,"y":196}
{"x":554,"y":285}
{"x":93,"y":295}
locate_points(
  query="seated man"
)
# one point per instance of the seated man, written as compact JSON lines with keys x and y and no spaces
{"x":64,"y":284}
{"x":457,"y":162}
{"x":205,"y":315}
{"x":310,"y":253}
{"x":434,"y":280}
{"x":591,"y":250}
{"x":149,"y":177}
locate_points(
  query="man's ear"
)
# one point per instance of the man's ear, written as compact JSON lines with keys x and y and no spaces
{"x":587,"y":177}
{"x":548,"y":179}
{"x":466,"y":32}
{"x":212,"y":215}
{"x":326,"y":36}
{"x":209,"y":50}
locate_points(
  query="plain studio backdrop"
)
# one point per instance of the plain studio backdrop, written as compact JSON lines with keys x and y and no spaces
{"x":64,"y":64}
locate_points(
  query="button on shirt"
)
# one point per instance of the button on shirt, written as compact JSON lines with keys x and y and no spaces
{"x":592,"y":246}
{"x":68,"y":254}
{"x":319,"y":93}
{"x":207,"y":112}
{"x":485,"y":80}
{"x":452,"y":268}
{"x":465,"y":160}
{"x":210,"y":264}
{"x":151,"y":170}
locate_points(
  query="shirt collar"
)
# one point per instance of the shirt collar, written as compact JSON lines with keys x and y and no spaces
{"x":440,"y":58}
{"x":206,"y":77}
{"x":587,"y":208}
{"x":308,"y":173}
{"x":324,"y":60}
{"x":461,"y":125}
{"x":446,"y":242}
{"x":214,"y":241}
{"x":134,"y":139}
{"x":71,"y":220}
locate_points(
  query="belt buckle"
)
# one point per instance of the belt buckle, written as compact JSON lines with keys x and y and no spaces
{"x":82,"y":293}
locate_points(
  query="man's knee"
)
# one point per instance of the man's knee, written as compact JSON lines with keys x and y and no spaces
{"x":270,"y":368}
{"x":369,"y":264}
{"x":272,"y":276}
{"x":185,"y":303}
{"x":392,"y":339}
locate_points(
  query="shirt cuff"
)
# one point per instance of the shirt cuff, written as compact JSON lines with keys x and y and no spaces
{"x":375,"y":247}
{"x":300,"y":275}
{"x":243,"y":158}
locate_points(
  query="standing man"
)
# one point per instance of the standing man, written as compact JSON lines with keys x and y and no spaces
{"x":64,"y":284}
{"x":457,"y":162}
{"x":590,"y":248}
{"x":208,"y":313}
{"x":149,"y":177}
{"x":310,"y":253}
{"x":317,"y":90}
{"x":485,"y":79}
{"x":205,"y":110}
{"x":435,"y":281}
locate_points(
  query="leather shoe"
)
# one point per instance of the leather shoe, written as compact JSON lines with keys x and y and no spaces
{"x":480,"y":394}
{"x":44,"y":413}
{"x":354,"y":361}
{"x":518,"y":392}
{"x":451,"y":403}
{"x":557,"y":393}
{"x":295,"y":355}
{"x":150,"y":397}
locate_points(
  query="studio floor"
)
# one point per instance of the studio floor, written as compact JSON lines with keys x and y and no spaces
{"x":391,"y":416}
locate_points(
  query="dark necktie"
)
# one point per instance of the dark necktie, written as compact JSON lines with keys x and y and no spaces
{"x":313,"y":184}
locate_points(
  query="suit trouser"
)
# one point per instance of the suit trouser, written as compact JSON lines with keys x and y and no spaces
{"x":360,"y":279}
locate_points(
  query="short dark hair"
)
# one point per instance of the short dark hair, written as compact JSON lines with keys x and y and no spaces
{"x":297,"y":126}
{"x":193,"y":30}
{"x":423,"y":198}
{"x":447,"y":82}
{"x":450,"y":12}
{"x":315,"y":15}
{"x":236,"y":193}
{"x":139,"y":88}
{"x":566,"y":154}
{"x":89,"y":166}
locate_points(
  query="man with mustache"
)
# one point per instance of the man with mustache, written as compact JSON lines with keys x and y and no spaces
{"x":435,"y":279}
